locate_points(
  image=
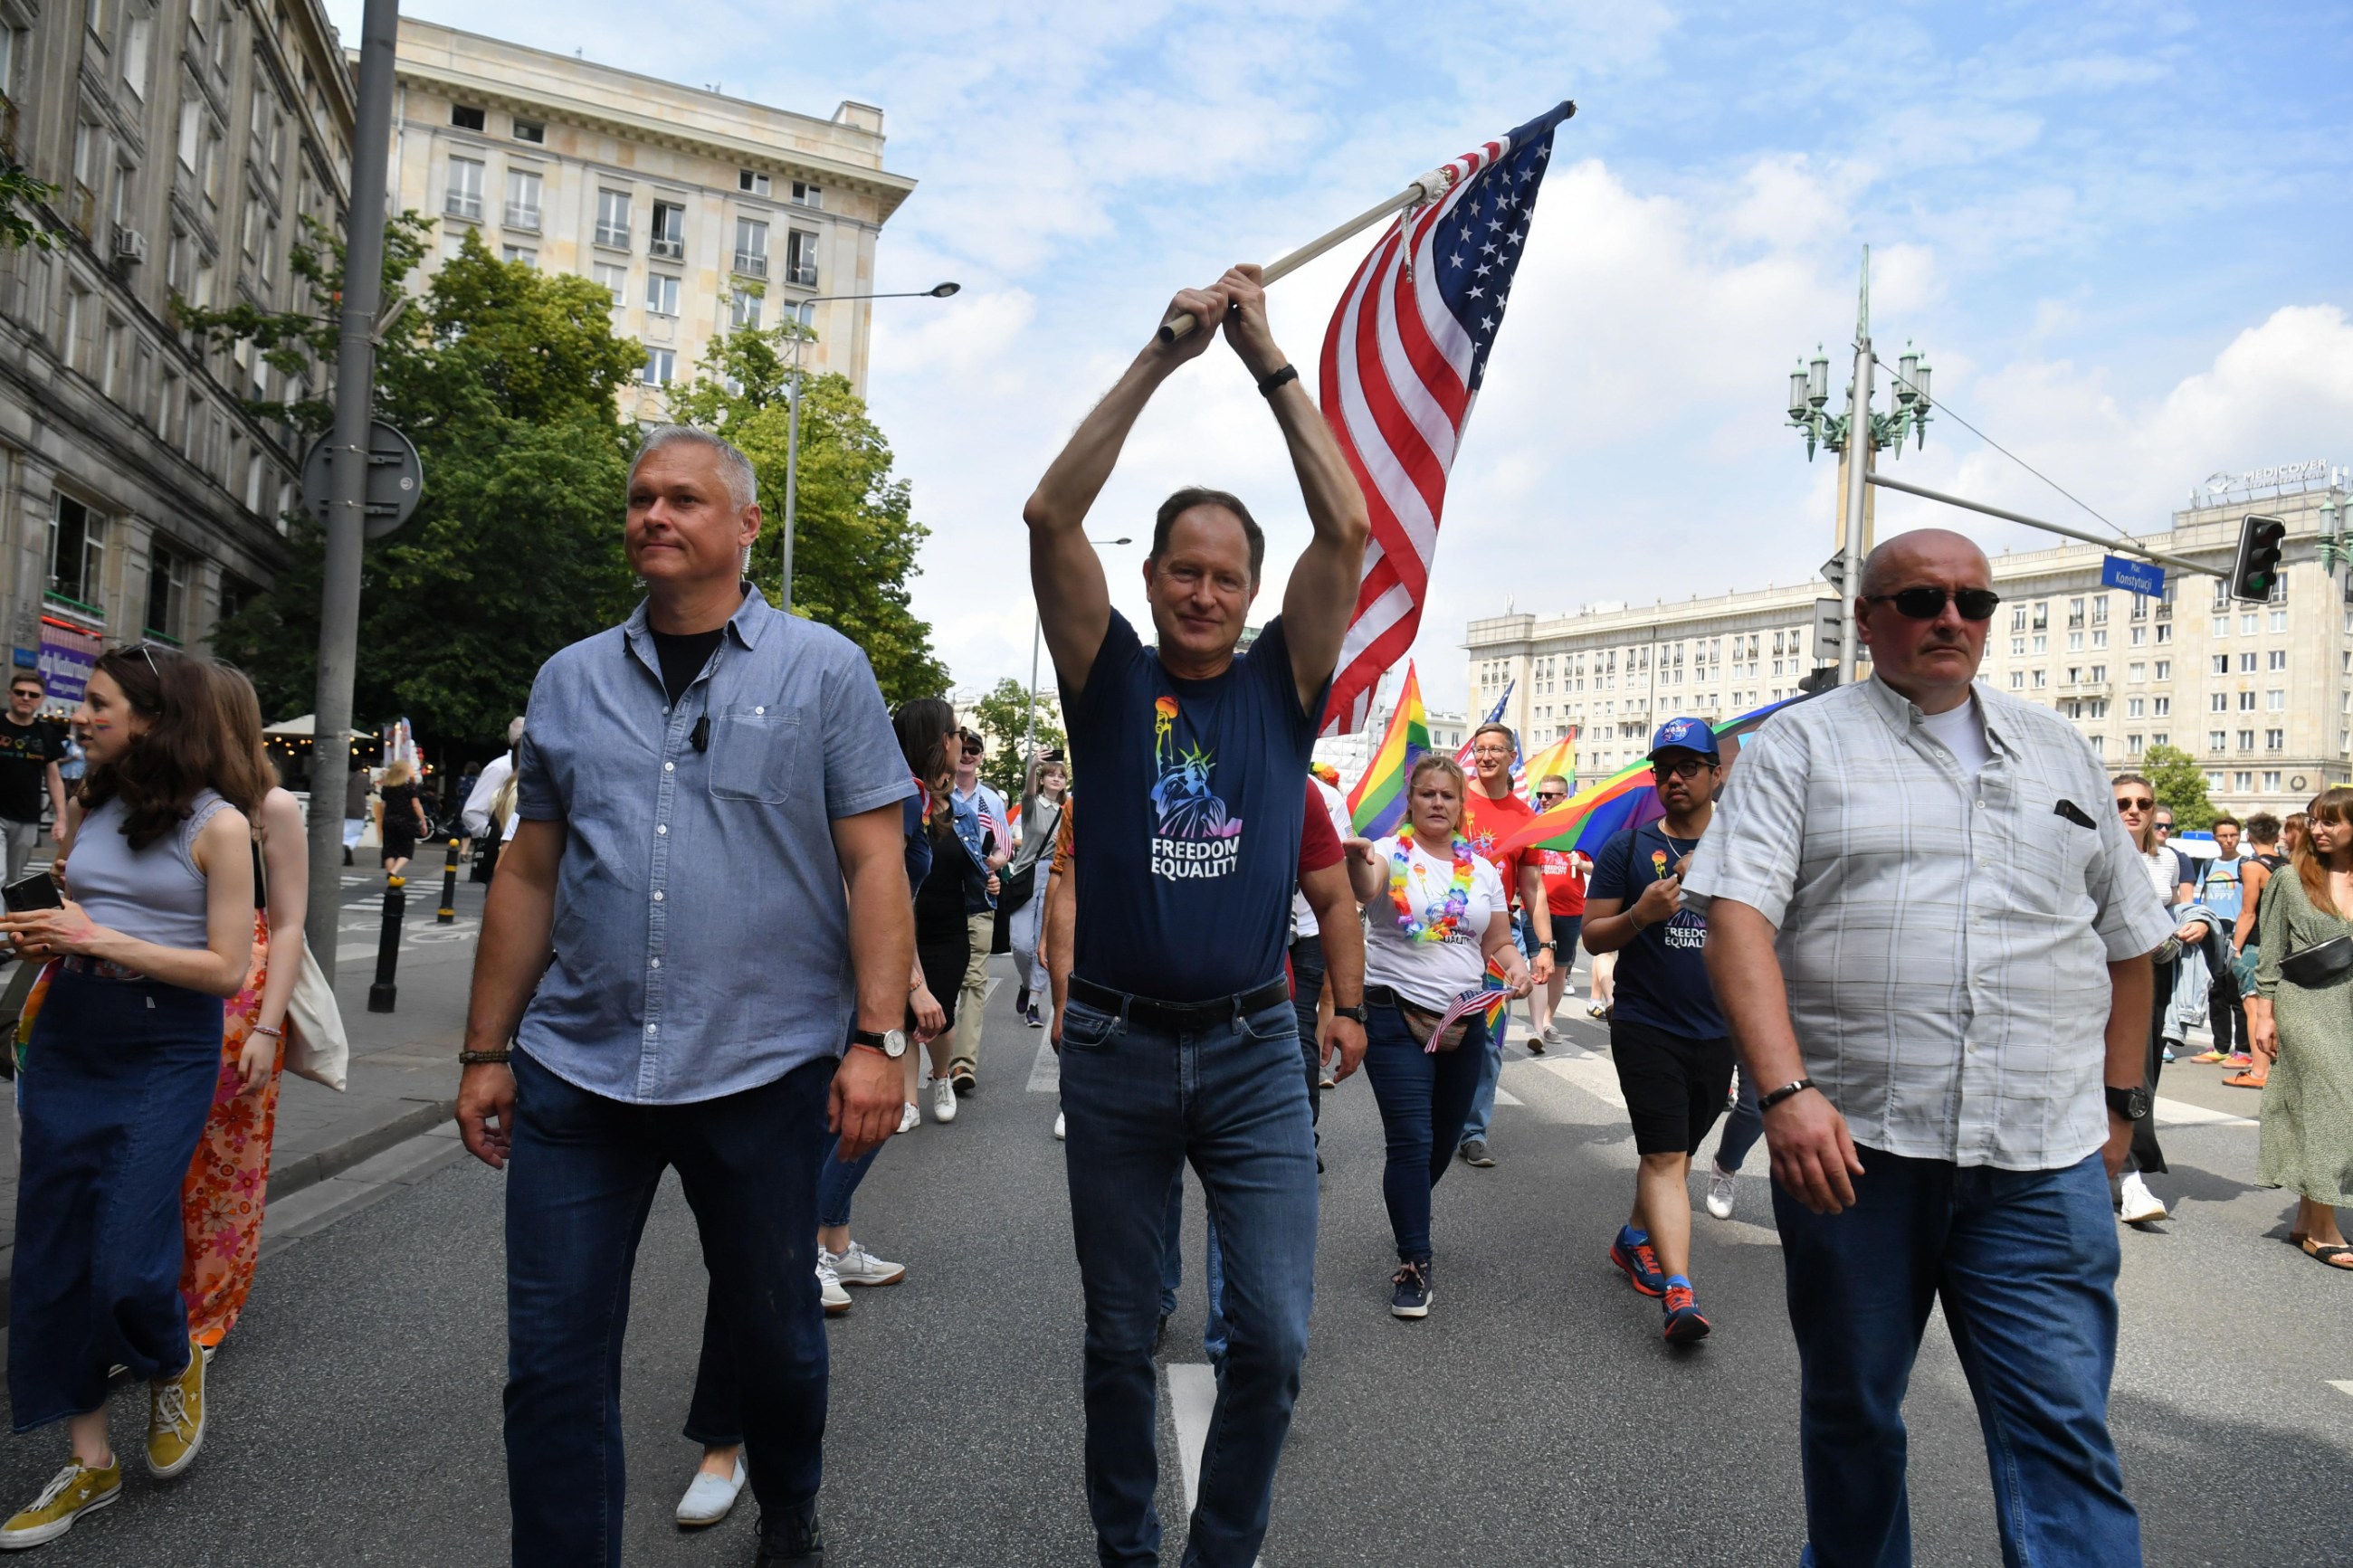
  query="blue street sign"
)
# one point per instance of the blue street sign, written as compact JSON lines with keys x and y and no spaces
{"x":2134,"y":576}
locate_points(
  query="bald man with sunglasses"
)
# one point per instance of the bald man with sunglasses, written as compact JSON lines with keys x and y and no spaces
{"x":1930,"y":935}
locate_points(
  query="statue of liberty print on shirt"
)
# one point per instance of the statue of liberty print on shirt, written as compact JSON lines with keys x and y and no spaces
{"x":1196,"y":835}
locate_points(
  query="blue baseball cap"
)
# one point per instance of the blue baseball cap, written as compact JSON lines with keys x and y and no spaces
{"x":1684,"y":735}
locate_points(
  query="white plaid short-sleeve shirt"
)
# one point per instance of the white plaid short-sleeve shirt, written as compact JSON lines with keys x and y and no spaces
{"x":1944,"y":941}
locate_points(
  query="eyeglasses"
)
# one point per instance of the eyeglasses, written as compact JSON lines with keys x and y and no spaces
{"x":1690,"y":767}
{"x":1489,"y":752}
{"x":1927,"y":603}
{"x":2124,"y":804}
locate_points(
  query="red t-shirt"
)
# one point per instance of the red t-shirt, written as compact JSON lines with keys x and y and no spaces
{"x":1565,"y":874}
{"x":1486,"y":823}
{"x":1319,"y":844}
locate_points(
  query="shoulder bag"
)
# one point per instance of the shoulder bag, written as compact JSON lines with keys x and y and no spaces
{"x":2323,"y":963}
{"x":316,"y":1046}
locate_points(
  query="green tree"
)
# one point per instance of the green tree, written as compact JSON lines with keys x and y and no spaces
{"x":505,"y":377}
{"x":2179,"y":784}
{"x":855,"y":534}
{"x":18,"y":226}
{"x":1003,"y":716}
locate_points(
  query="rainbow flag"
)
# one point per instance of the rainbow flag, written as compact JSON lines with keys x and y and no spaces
{"x":1377,"y":803}
{"x":1560,"y":757}
{"x":1585,"y":820}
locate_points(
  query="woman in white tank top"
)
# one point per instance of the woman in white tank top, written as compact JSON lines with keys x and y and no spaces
{"x":119,"y":1076}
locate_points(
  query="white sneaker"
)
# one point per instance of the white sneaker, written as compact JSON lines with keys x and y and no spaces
{"x":828,"y":1285}
{"x":910,"y":1118}
{"x":1720,"y":1191}
{"x":708,"y":1498}
{"x":1057,"y":1126}
{"x":943,"y":1101}
{"x":2140,"y":1203}
{"x":855,"y":1266}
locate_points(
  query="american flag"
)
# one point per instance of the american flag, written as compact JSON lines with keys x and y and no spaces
{"x":1402,"y":364}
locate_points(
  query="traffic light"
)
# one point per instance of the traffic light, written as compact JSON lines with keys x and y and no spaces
{"x":2255,"y":570}
{"x":1821,"y":680}
{"x":1830,"y":630}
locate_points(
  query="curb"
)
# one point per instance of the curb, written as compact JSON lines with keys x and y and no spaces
{"x":310,"y":1169}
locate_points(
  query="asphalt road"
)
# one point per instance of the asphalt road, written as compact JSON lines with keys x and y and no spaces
{"x":1534,"y":1418}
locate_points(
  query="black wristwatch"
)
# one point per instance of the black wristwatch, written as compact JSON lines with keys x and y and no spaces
{"x":891,"y":1043}
{"x":2132,"y":1104}
{"x":1551,"y":947}
{"x":1361,"y":1014}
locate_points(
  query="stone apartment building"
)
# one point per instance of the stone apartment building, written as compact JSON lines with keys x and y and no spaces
{"x":698,"y":212}
{"x":186,"y":141}
{"x":2261,"y":696}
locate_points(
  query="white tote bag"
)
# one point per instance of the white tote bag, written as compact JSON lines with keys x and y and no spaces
{"x":316,"y":1046}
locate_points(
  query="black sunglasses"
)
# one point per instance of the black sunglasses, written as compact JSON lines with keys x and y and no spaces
{"x":1927,"y":603}
{"x":1689,"y":768}
{"x":2127,"y":802}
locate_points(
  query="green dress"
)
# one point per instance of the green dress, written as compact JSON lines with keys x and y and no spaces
{"x":2307,"y":1137}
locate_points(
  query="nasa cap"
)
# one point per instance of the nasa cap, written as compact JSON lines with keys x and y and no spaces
{"x":1684,"y":735}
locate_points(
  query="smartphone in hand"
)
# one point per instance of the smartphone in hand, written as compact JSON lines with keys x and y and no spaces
{"x":37,"y":891}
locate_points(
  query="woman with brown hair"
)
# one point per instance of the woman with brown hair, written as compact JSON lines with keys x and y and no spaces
{"x":221,"y":1198}
{"x":119,"y":1078}
{"x":400,"y":815}
{"x":2302,"y":1019}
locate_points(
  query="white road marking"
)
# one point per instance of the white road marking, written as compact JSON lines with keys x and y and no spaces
{"x":2341,"y":1384}
{"x":2181,"y":1113}
{"x":1505,"y":1096}
{"x":1045,"y":1072}
{"x":1192,"y":1397}
{"x":1597,"y":1076}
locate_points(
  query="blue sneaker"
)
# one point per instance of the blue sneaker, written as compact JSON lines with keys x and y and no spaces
{"x":1684,"y":1324}
{"x":1641,"y":1264}
{"x":1409,"y":1291}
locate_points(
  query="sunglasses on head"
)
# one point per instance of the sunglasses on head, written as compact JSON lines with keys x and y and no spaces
{"x":2127,"y":802}
{"x":1927,"y":603}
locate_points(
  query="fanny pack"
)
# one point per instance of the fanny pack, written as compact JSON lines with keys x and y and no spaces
{"x":2320,"y":963}
{"x":1419,"y":1022}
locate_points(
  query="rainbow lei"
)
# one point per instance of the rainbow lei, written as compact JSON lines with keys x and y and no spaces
{"x":1425,"y":928}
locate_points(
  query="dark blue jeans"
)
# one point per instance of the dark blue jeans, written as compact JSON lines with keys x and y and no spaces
{"x":118,"y":1082}
{"x":581,"y":1177}
{"x":1306,"y":994}
{"x":1139,"y":1101}
{"x":1424,"y":1097}
{"x":2025,"y":1262}
{"x":1743,"y":1127}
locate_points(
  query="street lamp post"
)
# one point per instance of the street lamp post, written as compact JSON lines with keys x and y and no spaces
{"x":1037,"y":632}
{"x":1858,"y":433}
{"x":792,"y":418}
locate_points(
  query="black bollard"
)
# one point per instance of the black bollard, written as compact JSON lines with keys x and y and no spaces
{"x":387,"y":949}
{"x":448,"y":915}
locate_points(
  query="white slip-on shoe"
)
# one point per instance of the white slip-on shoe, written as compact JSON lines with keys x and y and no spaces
{"x":943,"y":1101}
{"x":1720,"y":1191}
{"x":910,"y":1118}
{"x":853,"y":1265}
{"x":1057,"y":1126}
{"x":2140,"y":1205}
{"x":708,"y":1497}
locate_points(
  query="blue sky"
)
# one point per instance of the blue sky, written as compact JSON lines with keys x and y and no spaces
{"x":2121,"y":233}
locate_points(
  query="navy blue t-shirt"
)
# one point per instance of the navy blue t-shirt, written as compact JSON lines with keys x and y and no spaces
{"x":1194,"y":808}
{"x":1662,"y":980}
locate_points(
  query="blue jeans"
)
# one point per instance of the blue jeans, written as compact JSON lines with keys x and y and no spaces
{"x":1214,"y":1334}
{"x":2025,"y":1262}
{"x":1742,"y":1128}
{"x":581,"y":1178}
{"x":118,"y":1083}
{"x":1490,"y":1060}
{"x":1139,"y":1101}
{"x":1307,"y":993}
{"x":1423,"y":1096}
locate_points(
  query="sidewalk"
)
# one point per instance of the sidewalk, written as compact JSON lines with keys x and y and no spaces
{"x":402,"y":1078}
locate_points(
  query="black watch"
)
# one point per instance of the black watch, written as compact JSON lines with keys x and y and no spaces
{"x":1551,"y":947}
{"x":2132,"y":1104}
{"x":891,"y":1043}
{"x":1361,"y":1014}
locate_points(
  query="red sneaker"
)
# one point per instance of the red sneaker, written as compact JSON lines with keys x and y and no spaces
{"x":1641,"y":1267}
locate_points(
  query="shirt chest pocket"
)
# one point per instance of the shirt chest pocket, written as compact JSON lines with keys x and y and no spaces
{"x":756,"y":753}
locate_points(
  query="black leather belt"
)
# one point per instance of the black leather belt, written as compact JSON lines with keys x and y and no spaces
{"x":1158,"y":1015}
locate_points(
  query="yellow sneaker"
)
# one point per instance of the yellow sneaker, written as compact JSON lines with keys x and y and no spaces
{"x":175,"y":1418}
{"x":73,"y":1491}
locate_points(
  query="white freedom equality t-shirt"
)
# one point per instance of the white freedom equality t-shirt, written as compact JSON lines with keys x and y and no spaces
{"x":1430,"y":974}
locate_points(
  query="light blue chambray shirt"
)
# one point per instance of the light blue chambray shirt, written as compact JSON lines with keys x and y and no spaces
{"x":702,"y":937}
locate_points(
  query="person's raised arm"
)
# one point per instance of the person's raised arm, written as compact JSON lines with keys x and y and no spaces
{"x":1065,"y":573}
{"x":1813,"y":1156}
{"x":518,"y":925}
{"x":868,"y":1095}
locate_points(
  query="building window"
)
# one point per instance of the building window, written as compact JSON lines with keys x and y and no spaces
{"x":2222,"y":664}
{"x":750,"y":247}
{"x":465,"y":197}
{"x":2242,"y":782}
{"x":2041,"y":679}
{"x":2247,"y":625}
{"x":77,"y":552}
{"x":752,"y":182}
{"x":613,"y":219}
{"x":2018,"y":681}
{"x":2277,"y":658}
{"x":522,"y":253}
{"x":2164,"y":669}
{"x":801,"y":258}
{"x":613,"y":280}
{"x":523,"y":200}
{"x":530,"y":130}
{"x":2218,"y":740}
{"x":2135,"y":708}
{"x":2135,"y":673}
{"x":661,"y":364}
{"x":743,"y":308}
{"x":2271,"y":783}
{"x":2160,"y":738}
{"x":2132,"y":746}
{"x":2099,"y":745}
{"x":806,"y":195}
{"x":2246,"y":740}
{"x":2041,"y":643}
{"x":2141,"y":637}
{"x":2221,"y":626}
{"x":2279,"y":617}
{"x":2165,"y":631}
{"x":2275,"y":700}
{"x":2219,"y":702}
{"x":2162,"y":706}
{"x":2074,"y":642}
{"x":669,"y":231}
{"x":167,"y":592}
{"x":2276,"y":740}
{"x":465,"y":119}
{"x":661,"y":294}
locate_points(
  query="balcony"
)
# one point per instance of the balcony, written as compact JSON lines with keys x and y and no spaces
{"x":81,"y":209}
{"x":460,"y":204}
{"x":523,"y":218}
{"x":751,"y":265}
{"x":666,"y":250}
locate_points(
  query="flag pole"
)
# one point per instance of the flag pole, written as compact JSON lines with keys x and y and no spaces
{"x":1430,"y":188}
